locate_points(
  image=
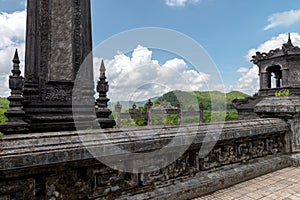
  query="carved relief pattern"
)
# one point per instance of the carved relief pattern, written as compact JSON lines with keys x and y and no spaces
{"x":98,"y":181}
{"x":241,"y":152}
{"x":61,"y":41}
{"x":50,"y":93}
{"x":57,"y":94}
{"x":108,"y":181}
{"x":178,"y":168}
{"x":17,"y":189}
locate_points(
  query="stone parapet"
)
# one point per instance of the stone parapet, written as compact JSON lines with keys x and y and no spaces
{"x":62,"y":165}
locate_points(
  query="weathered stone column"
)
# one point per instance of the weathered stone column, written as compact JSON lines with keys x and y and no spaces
{"x":201,"y":112}
{"x":285,"y":77}
{"x":118,"y":109}
{"x":278,"y":81}
{"x":149,"y":105}
{"x":265,"y":80}
{"x":58,"y":40}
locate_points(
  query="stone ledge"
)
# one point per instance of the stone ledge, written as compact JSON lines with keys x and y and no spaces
{"x":278,"y":106}
{"x":17,"y":151}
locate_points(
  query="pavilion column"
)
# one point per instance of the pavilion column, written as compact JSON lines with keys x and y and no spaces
{"x":265,"y":82}
{"x":285,"y":77}
{"x":278,"y":81}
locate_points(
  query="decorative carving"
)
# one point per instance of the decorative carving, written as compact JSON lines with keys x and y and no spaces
{"x":108,"y":181}
{"x":57,"y":94}
{"x":241,"y":152}
{"x":178,"y":168}
{"x":61,"y":45}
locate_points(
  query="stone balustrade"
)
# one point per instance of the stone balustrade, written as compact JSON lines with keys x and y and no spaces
{"x":63,"y":165}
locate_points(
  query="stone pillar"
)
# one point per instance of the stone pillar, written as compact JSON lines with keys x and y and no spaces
{"x":179,"y":107}
{"x":118,"y":109}
{"x":149,"y":105}
{"x":261,"y":81}
{"x":278,"y":81}
{"x":265,"y":80}
{"x":285,"y":77}
{"x":201,"y":112}
{"x":58,"y":39}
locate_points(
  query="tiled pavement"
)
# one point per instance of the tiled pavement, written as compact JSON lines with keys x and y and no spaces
{"x":280,"y":185}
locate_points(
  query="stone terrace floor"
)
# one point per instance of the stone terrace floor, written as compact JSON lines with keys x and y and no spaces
{"x":283,"y":184}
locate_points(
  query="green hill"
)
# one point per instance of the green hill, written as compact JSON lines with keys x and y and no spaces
{"x":213,"y":100}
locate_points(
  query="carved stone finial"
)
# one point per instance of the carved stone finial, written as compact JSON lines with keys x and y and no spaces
{"x":289,"y":45}
{"x":289,"y":40}
{"x":118,"y":107}
{"x":15,"y":113}
{"x":102,"y":71}
{"x":102,"y":111}
{"x":149,"y":104}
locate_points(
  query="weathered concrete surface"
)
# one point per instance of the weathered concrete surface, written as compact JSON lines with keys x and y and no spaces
{"x":60,"y":165}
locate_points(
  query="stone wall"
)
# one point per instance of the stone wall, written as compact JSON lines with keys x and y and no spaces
{"x":62,"y":165}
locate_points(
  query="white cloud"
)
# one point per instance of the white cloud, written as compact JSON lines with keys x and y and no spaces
{"x":274,"y":43}
{"x":180,"y":3}
{"x":249,"y":82}
{"x":243,"y":70}
{"x":4,"y":91}
{"x":283,"y":19}
{"x":12,"y":36}
{"x":140,"y":77}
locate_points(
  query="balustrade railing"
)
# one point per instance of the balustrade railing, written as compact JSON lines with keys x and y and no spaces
{"x":165,"y":108}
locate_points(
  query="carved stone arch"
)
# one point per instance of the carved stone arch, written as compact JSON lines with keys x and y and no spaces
{"x":272,"y":64}
{"x":274,"y":75}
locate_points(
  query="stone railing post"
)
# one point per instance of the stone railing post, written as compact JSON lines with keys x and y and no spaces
{"x":149,"y":105}
{"x":201,"y":113}
{"x":118,"y":109}
{"x":179,"y":113}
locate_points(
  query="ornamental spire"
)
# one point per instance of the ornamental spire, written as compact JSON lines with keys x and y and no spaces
{"x":15,"y":114}
{"x":16,"y":67}
{"x":102,"y":71}
{"x":289,"y":45}
{"x":290,"y":41}
{"x":102,"y":110}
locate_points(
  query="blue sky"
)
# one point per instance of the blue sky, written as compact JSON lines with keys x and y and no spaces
{"x":227,"y":29}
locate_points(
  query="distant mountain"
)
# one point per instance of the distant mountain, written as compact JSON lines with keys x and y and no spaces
{"x":209,"y":99}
